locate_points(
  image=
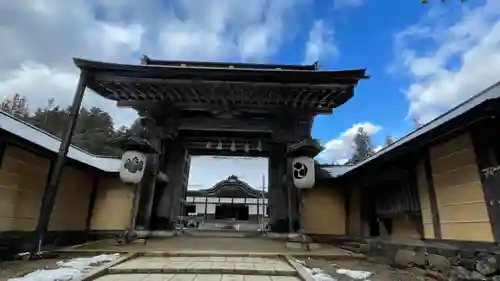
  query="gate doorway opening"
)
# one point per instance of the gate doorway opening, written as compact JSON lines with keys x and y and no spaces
{"x":189,"y":210}
{"x":231,"y":211}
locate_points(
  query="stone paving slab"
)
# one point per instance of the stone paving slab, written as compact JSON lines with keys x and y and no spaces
{"x":227,"y":265}
{"x":193,"y":277}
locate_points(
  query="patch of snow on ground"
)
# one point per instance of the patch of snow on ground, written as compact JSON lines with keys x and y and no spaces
{"x":319,"y":275}
{"x":355,"y":274}
{"x":67,"y":270}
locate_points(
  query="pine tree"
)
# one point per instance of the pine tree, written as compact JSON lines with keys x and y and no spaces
{"x":17,"y":106}
{"x":389,"y":141}
{"x":93,"y":132}
{"x":362,"y":147}
{"x":416,"y":123}
{"x":137,"y":128}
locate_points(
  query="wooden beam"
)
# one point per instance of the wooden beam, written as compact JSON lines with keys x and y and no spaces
{"x":229,"y":153}
{"x":3,"y":146}
{"x":436,"y":221}
{"x":93,"y":196}
{"x":56,"y":172}
{"x":225,"y":139}
{"x":220,"y":93}
{"x":238,"y":65}
{"x":212,"y":106}
{"x":113,"y":78}
{"x":484,"y":139}
{"x":232,"y":125}
{"x":225,"y":146}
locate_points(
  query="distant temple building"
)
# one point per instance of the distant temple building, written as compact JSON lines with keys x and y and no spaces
{"x":230,"y":199}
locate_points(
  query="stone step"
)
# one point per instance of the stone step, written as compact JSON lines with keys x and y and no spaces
{"x":221,"y":233}
{"x":356,"y":250}
{"x":354,"y":244}
{"x":155,"y":233}
{"x":304,"y":245}
{"x":206,"y":265}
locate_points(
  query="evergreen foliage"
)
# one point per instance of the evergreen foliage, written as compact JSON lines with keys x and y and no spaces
{"x":362,"y":147}
{"x":93,"y":132}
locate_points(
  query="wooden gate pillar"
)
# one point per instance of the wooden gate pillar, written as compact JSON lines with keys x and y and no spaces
{"x":147,"y":188}
{"x":170,"y":199}
{"x":277,"y":201}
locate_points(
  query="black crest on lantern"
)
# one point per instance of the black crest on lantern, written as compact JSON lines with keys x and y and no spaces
{"x":299,"y":170}
{"x":133,"y":165}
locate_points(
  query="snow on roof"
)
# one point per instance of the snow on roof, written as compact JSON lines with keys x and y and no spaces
{"x":336,"y":170}
{"x":32,"y":134}
{"x":489,"y":93}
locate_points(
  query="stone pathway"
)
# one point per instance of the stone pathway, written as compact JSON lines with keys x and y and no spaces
{"x":193,"y":277}
{"x":206,"y":264}
{"x":198,"y":268}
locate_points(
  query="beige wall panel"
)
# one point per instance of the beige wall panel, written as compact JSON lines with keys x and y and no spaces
{"x":6,"y":224}
{"x":22,"y":182}
{"x":451,"y":178}
{"x":31,"y":189}
{"x":23,"y":177}
{"x":73,"y":200}
{"x":459,"y":193}
{"x":28,"y":205}
{"x":25,"y":156}
{"x":428,"y":231}
{"x":7,"y":209}
{"x":456,"y":160}
{"x":113,"y":205}
{"x":475,"y":212}
{"x":427,"y":216}
{"x":425,"y":204}
{"x":8,"y":181}
{"x":462,"y":194}
{"x":324,"y":211}
{"x":480,"y":231}
{"x":8,"y":195}
{"x":10,"y":163}
{"x":461,"y":142}
{"x":404,"y":228}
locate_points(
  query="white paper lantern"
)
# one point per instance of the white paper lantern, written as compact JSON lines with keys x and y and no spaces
{"x":132,"y":166}
{"x":303,"y":172}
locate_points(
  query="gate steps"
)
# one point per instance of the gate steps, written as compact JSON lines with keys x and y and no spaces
{"x":220,"y":233}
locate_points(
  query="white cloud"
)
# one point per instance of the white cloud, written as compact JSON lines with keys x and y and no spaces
{"x":39,"y":38}
{"x":465,"y":59}
{"x":339,"y":4}
{"x":340,"y":150}
{"x":321,"y":43}
{"x":249,"y":170}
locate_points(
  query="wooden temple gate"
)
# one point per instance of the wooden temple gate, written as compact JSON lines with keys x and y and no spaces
{"x":200,"y":108}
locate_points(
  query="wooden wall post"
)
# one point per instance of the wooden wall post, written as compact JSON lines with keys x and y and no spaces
{"x":50,"y":194}
{"x":436,"y":221}
{"x":484,"y":139}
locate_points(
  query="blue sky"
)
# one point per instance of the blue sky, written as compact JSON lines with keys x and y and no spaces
{"x":422,"y":59}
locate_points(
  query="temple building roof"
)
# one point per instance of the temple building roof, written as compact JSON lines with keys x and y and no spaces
{"x":230,"y":187}
{"x":198,"y":85}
